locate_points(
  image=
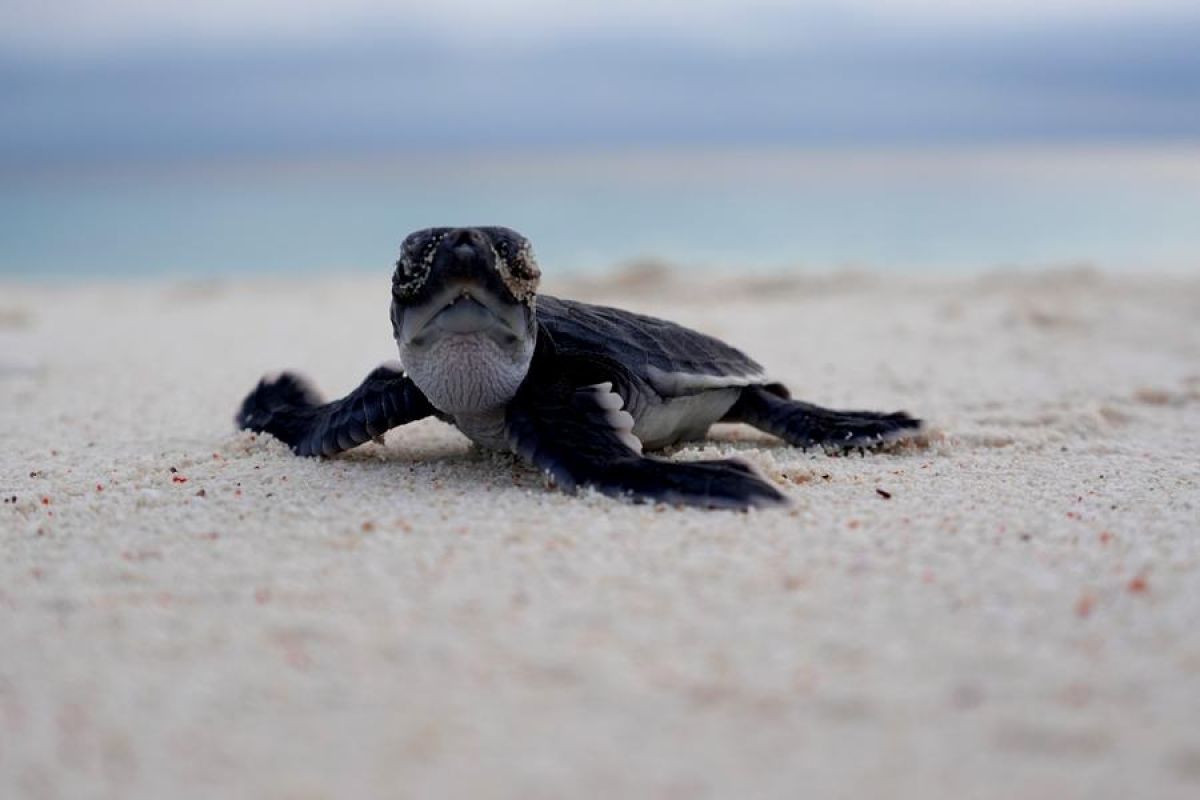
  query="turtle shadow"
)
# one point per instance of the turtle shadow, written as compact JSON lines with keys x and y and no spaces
{"x":746,"y":439}
{"x":443,"y":465}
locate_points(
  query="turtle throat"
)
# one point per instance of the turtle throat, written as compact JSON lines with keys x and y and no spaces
{"x":467,"y":349}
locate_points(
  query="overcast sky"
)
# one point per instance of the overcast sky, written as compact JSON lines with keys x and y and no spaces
{"x":144,"y":79}
{"x":67,"y":26}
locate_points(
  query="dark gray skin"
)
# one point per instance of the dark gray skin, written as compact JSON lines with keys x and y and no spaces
{"x":578,"y":391}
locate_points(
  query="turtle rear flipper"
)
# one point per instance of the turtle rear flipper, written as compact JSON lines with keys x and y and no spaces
{"x":291,"y":410}
{"x":807,"y":425}
{"x":581,"y":438}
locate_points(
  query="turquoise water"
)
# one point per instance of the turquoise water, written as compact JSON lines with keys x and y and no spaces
{"x":1128,"y":208}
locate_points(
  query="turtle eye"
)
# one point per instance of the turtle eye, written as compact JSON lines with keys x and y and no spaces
{"x":404,"y":282}
{"x":403,"y":267}
{"x":415,"y":262}
{"x":522,"y":263}
{"x":517,"y":267}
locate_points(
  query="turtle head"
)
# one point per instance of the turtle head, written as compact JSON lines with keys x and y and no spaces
{"x":463,"y":314}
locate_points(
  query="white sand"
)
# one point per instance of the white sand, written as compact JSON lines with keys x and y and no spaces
{"x":1020,"y":619}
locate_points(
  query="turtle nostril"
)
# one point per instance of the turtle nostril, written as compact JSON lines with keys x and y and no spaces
{"x":464,"y":245}
{"x":463,"y":237}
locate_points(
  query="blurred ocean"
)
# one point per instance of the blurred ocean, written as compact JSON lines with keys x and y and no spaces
{"x":931,"y":209}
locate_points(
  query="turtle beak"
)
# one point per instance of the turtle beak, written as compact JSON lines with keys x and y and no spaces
{"x":464,"y":308}
{"x":465,"y":314}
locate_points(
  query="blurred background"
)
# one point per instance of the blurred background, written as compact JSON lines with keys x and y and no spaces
{"x":230,"y":137}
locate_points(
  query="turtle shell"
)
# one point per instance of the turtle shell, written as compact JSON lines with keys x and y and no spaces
{"x":674,"y":360}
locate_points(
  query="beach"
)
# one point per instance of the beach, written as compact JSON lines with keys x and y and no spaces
{"x":1007,"y":607}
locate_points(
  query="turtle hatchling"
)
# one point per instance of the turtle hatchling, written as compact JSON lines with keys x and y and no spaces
{"x":581,"y":392}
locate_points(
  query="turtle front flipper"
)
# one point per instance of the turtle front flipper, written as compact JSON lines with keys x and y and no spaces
{"x":768,"y":408}
{"x":581,"y":437}
{"x":291,"y":410}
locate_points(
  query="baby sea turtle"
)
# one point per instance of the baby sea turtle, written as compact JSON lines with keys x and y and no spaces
{"x":579,"y":391}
